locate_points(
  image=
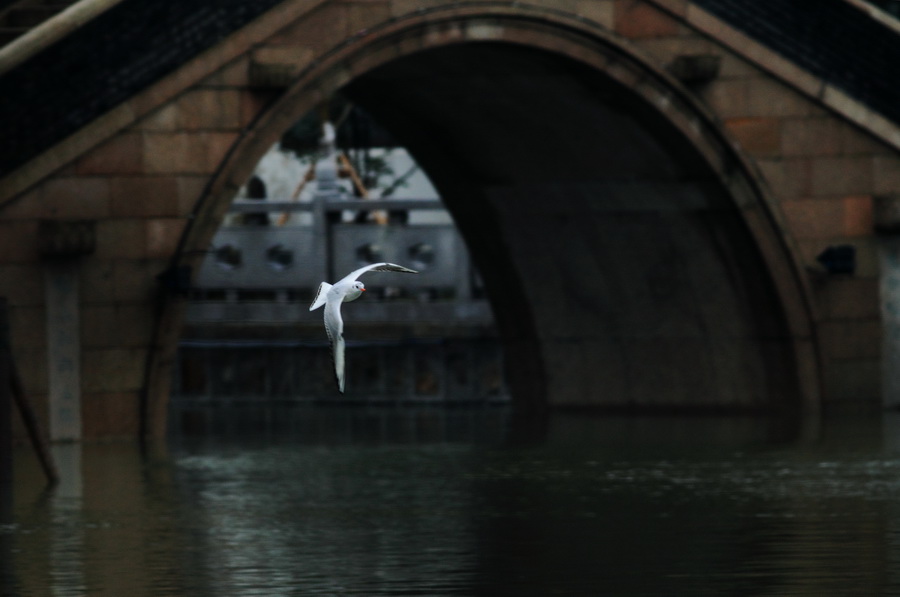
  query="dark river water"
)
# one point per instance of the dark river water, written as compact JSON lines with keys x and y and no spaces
{"x":431,"y":501}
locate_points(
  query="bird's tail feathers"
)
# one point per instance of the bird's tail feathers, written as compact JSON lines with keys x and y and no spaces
{"x":324,"y":287}
{"x":337,"y":357}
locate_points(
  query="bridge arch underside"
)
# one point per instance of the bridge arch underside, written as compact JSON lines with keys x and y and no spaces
{"x":621,"y":271}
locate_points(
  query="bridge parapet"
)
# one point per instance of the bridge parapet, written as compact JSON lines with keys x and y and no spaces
{"x":262,"y":273}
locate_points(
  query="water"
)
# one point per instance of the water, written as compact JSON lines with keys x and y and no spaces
{"x":432,"y":502}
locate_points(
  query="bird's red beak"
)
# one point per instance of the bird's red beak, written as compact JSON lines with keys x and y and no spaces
{"x":362,"y":289}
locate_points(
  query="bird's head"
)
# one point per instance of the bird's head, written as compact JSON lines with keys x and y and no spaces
{"x":359,"y":286}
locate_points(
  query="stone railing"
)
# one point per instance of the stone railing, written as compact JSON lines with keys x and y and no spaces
{"x":258,"y":271}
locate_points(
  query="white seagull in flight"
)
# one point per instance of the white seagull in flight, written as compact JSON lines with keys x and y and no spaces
{"x":344,"y":290}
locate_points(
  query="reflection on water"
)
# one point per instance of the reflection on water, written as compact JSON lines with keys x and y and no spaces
{"x":429,"y":501}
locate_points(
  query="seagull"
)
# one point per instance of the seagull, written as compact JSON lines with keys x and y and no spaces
{"x":345,"y":290}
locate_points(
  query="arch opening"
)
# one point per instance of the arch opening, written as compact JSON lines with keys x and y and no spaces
{"x":620,"y":268}
{"x":631,"y":258}
{"x":345,"y":196}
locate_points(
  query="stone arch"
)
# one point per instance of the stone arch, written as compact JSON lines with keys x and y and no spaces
{"x":537,"y":358}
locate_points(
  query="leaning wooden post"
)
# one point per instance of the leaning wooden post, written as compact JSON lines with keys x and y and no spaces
{"x":13,"y":386}
{"x":6,"y":472}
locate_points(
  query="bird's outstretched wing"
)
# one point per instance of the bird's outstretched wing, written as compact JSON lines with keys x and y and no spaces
{"x":334,"y":327}
{"x":321,"y":294}
{"x":376,"y":267}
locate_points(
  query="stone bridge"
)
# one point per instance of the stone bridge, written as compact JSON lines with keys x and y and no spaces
{"x":645,"y":185}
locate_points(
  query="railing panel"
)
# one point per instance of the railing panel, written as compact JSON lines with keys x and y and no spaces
{"x":267,"y":257}
{"x":260,"y":265}
{"x":265,"y":273}
{"x":435,"y":251}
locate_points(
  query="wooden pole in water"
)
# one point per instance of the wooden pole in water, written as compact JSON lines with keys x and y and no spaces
{"x":6,"y":473}
{"x":12,"y":385}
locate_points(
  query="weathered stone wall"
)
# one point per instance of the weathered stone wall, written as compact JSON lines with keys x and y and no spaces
{"x":810,"y":144}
